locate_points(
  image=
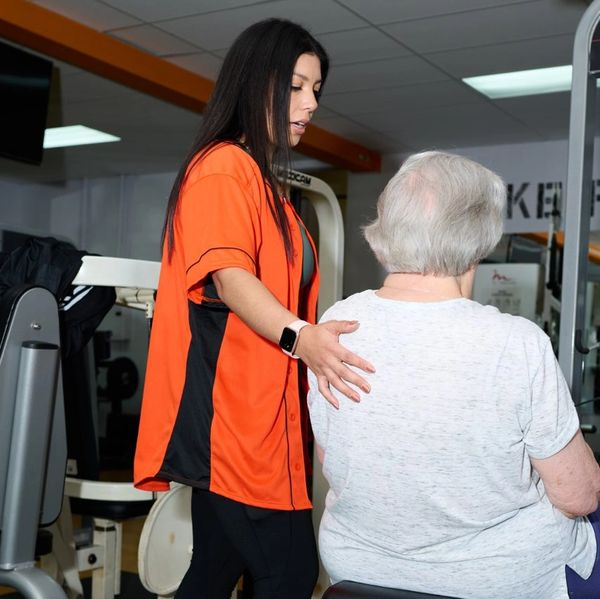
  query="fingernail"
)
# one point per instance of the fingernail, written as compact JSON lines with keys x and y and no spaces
{"x":366,"y":388}
{"x":370,"y":368}
{"x":356,"y":397}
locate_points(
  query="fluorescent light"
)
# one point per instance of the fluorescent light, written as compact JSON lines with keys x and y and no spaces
{"x":523,"y":83}
{"x":75,"y":135}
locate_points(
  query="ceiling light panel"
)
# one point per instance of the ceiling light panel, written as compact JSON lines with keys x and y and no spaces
{"x":523,"y":83}
{"x":75,"y":135}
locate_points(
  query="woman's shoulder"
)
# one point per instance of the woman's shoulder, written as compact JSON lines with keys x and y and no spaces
{"x":227,"y":159}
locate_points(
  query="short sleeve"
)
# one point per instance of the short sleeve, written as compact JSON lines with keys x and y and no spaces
{"x":317,"y":406}
{"x":220,"y":227}
{"x":553,"y":417}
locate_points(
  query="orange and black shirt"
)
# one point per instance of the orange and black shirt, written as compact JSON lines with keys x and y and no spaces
{"x":221,"y":408}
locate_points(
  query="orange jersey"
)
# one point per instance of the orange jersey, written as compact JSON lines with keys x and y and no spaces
{"x":221,"y":407}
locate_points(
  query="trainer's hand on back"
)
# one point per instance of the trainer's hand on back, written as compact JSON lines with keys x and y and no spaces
{"x":319,"y":348}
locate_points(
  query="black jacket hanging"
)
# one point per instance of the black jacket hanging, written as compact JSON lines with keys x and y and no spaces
{"x":53,"y":264}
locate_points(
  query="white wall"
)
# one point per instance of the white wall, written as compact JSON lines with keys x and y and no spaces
{"x":115,"y":216}
{"x":361,"y":270}
{"x":24,"y":206}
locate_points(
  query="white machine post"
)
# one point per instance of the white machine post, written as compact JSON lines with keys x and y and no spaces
{"x":331,"y":236}
{"x":331,"y":265}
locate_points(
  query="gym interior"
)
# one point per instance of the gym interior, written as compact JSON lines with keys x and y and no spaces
{"x":403,"y":78}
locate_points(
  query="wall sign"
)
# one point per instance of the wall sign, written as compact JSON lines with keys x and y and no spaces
{"x":529,"y":206}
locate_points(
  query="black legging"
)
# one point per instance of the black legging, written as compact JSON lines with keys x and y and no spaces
{"x":277,"y":548}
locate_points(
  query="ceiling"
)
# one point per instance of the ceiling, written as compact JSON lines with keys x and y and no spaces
{"x":394,"y":86}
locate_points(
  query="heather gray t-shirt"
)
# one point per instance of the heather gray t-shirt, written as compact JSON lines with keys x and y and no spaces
{"x":431,"y":487}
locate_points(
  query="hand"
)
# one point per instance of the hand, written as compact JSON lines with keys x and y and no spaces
{"x":319,"y":348}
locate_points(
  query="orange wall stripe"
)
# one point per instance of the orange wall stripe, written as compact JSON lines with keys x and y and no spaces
{"x":542,"y":238}
{"x":56,"y":36}
{"x":64,"y":39}
{"x":324,"y":145}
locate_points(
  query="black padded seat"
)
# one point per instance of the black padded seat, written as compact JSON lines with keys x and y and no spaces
{"x":110,"y":510}
{"x":43,"y":543}
{"x":356,"y":590}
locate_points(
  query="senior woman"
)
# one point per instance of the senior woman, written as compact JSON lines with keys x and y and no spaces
{"x":464,"y":472}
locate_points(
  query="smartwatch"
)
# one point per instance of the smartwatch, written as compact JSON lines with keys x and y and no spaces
{"x":289,"y":337}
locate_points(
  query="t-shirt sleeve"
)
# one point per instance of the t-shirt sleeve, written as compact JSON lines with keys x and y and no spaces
{"x":553,"y":417}
{"x":220,"y":227}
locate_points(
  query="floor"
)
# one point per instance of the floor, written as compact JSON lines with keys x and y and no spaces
{"x":131,"y":587}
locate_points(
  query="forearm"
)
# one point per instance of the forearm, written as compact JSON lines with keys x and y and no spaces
{"x":245,"y":295}
{"x":571,"y":478}
{"x":589,"y":492}
{"x":317,"y":346}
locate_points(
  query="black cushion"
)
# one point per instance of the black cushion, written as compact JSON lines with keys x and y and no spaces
{"x":356,"y":590}
{"x":43,"y":542}
{"x":110,"y":510}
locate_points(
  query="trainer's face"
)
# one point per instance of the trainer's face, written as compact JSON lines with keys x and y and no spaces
{"x":306,"y":84}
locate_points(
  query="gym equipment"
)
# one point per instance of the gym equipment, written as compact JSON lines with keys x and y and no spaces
{"x":355,"y":590}
{"x":117,"y":445}
{"x":165,"y":548}
{"x":33,"y":447}
{"x":586,"y":69}
{"x":106,"y":502}
{"x":331,"y":265}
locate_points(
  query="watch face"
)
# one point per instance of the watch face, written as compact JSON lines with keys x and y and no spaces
{"x":288,"y":338}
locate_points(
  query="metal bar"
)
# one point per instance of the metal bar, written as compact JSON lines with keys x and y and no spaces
{"x":34,"y":410}
{"x":578,"y":198}
{"x":32,"y":583}
{"x":331,"y":235}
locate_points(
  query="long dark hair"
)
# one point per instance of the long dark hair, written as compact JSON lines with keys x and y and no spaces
{"x":251,"y":100}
